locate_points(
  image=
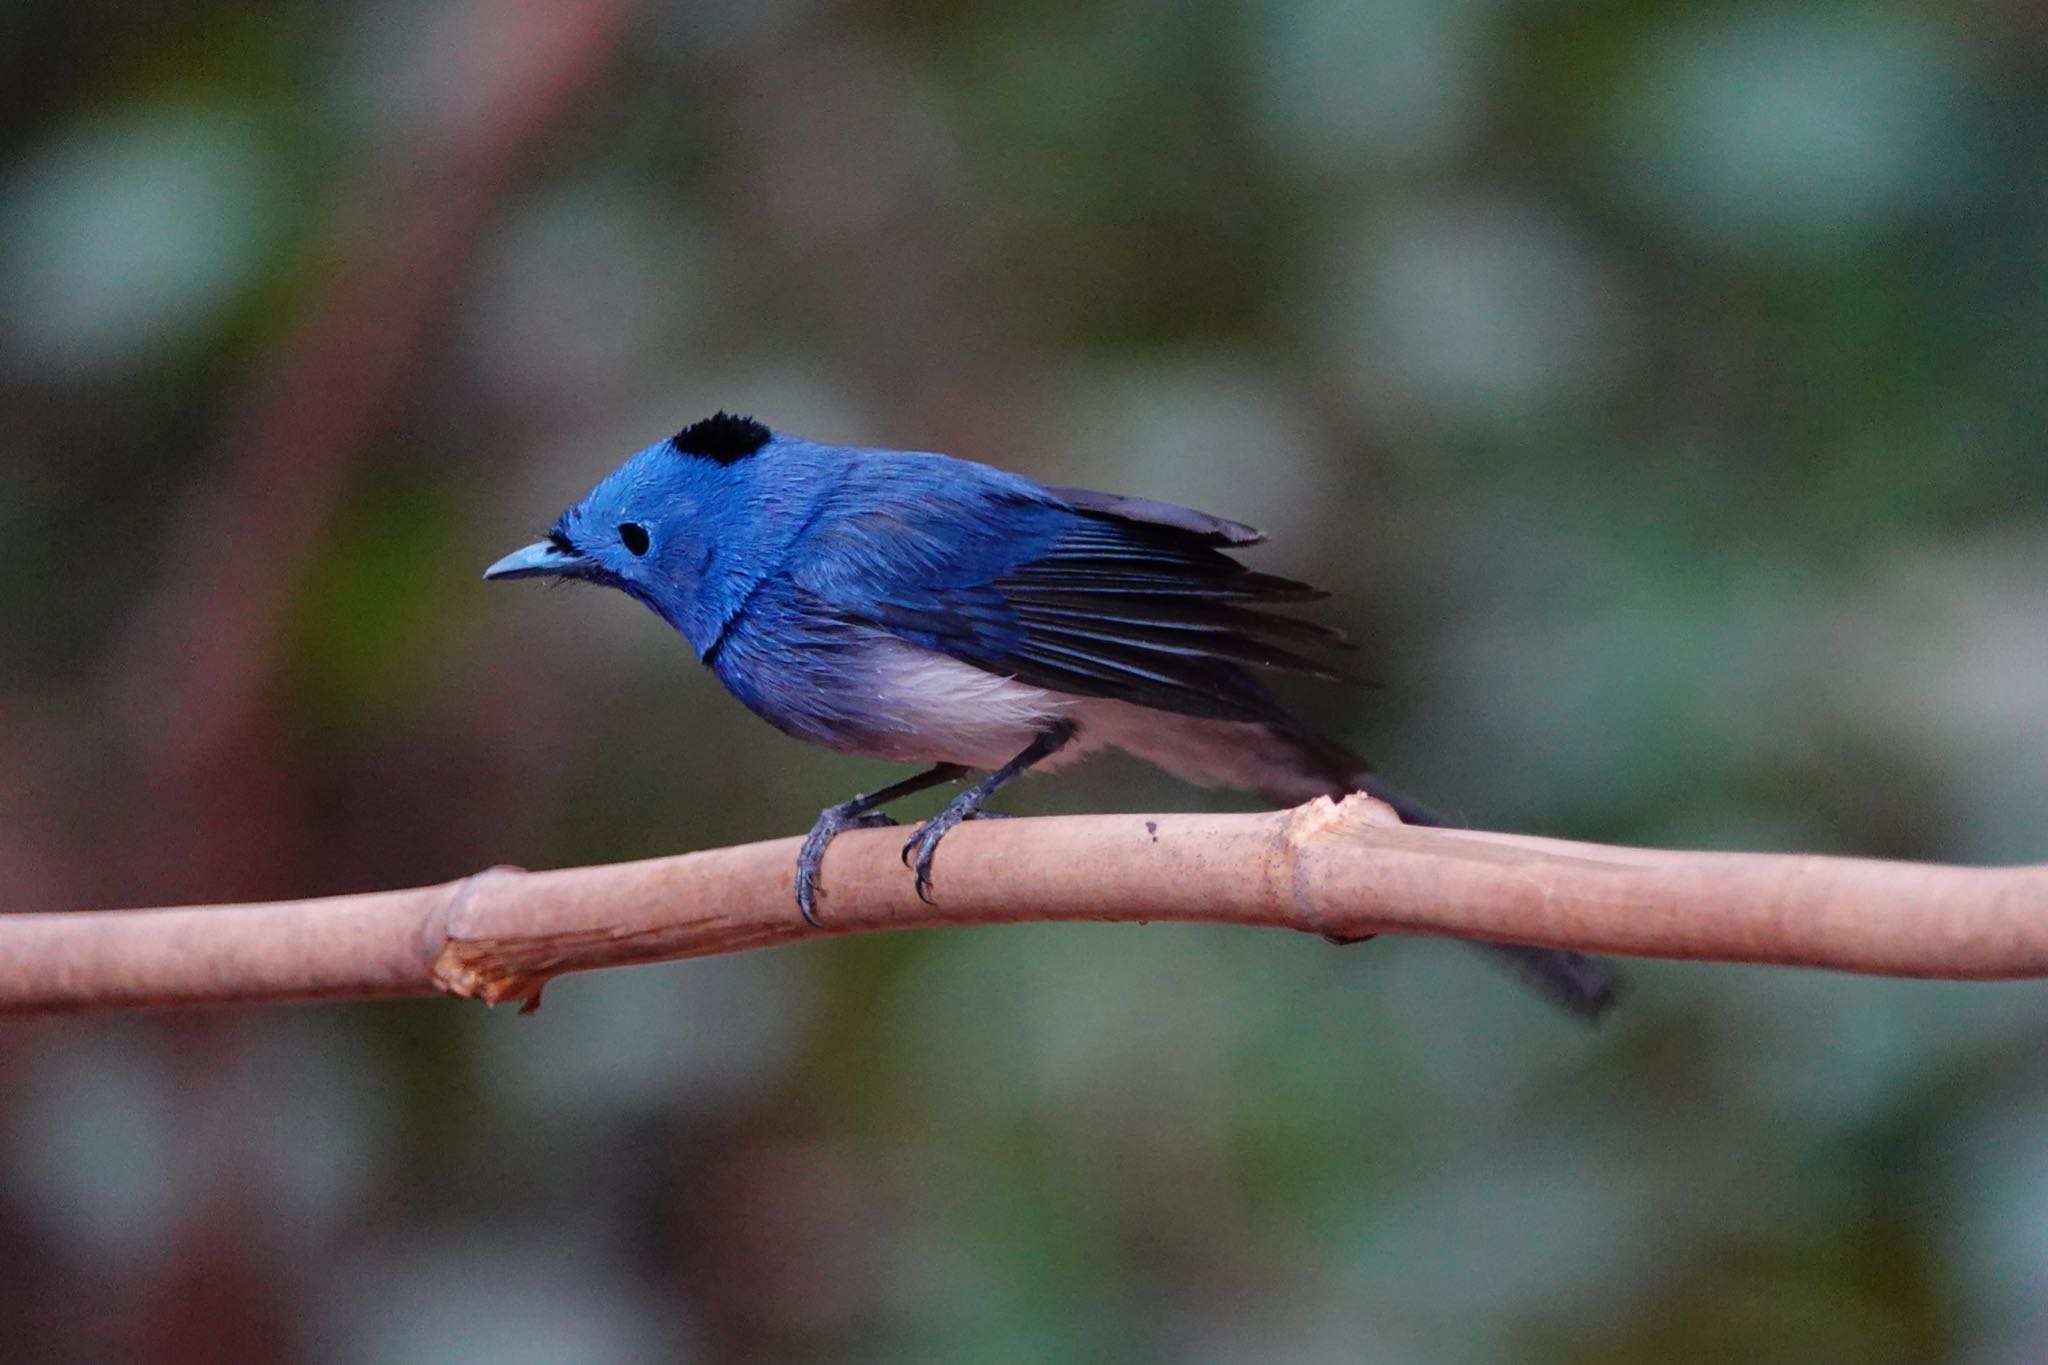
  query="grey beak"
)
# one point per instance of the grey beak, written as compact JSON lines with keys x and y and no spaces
{"x":536,"y":560}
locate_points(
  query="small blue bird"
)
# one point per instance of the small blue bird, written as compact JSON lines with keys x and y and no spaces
{"x":926,"y":609}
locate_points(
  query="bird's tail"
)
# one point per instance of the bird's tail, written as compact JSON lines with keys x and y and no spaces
{"x":1584,"y":985}
{"x":1289,"y":768}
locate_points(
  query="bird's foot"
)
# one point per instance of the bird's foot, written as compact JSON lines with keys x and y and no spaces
{"x":832,"y":822}
{"x":925,"y":842}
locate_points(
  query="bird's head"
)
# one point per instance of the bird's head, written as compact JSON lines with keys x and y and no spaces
{"x":652,"y":527}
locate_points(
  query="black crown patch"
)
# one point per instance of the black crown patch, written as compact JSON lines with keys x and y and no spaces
{"x":723,"y":437}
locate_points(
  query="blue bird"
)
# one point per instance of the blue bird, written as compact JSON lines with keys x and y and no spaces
{"x":925,"y":609}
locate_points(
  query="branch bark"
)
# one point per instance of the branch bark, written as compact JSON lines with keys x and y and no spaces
{"x":1347,"y":869}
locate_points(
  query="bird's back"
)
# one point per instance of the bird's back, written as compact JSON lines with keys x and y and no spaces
{"x":1083,"y":593}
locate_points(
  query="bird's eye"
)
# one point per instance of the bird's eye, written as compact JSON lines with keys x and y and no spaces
{"x":633,"y":536}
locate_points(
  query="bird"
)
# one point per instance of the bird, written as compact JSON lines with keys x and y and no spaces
{"x":920,"y":608}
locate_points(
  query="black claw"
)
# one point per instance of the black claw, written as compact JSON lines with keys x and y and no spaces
{"x":925,"y":842}
{"x":967,"y":805}
{"x":832,"y":822}
{"x":862,"y":812}
{"x":927,"y":845}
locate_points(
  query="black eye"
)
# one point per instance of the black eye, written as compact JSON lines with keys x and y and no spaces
{"x":633,"y":536}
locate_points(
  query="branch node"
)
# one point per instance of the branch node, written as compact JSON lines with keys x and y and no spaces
{"x":1307,"y":833}
{"x":464,"y":965}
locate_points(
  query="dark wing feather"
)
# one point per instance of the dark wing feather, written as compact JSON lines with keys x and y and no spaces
{"x":1173,"y":612}
{"x":1123,"y":581}
{"x":1212,"y":530}
{"x":1135,"y":601}
{"x":1092,"y":594}
{"x":1168,"y":637}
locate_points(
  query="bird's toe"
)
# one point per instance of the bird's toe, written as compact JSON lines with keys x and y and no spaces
{"x":922,"y":847}
{"x":810,"y":859}
{"x":925,"y":854}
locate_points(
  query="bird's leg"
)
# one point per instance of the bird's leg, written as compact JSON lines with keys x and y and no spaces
{"x":967,"y":805}
{"x":862,"y":812}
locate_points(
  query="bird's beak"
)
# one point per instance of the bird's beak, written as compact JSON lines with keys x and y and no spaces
{"x":537,"y":560}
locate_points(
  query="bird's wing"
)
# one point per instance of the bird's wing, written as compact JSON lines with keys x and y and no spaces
{"x":1085,"y":593}
{"x":1210,"y":529}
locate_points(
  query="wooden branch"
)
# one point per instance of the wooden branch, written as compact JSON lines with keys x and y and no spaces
{"x":1346,"y":869}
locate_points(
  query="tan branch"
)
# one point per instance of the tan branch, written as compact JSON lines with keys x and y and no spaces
{"x":1348,"y":869}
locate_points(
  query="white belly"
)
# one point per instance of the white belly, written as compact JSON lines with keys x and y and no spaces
{"x":929,"y":708}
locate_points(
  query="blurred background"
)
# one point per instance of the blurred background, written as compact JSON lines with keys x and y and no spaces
{"x":1659,"y":386}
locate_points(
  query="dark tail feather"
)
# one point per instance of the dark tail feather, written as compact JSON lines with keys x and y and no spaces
{"x":1581,"y":984}
{"x":1287,"y":767}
